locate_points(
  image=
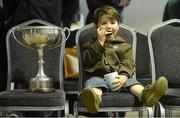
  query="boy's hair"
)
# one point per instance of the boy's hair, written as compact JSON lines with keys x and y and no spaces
{"x":108,"y":10}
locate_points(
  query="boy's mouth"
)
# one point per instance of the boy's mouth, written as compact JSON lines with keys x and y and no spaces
{"x":108,"y":33}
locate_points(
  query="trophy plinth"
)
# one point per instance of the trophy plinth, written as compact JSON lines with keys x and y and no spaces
{"x":40,"y":38}
{"x":41,"y":84}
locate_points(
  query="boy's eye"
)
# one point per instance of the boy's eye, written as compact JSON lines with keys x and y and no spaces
{"x":113,"y":22}
{"x":103,"y":23}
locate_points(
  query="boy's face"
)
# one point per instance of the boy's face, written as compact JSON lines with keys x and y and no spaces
{"x":110,"y":25}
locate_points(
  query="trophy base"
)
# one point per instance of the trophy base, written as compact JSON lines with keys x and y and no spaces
{"x":43,"y":85}
{"x":42,"y":90}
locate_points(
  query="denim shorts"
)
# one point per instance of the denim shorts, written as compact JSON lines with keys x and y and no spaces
{"x":99,"y":82}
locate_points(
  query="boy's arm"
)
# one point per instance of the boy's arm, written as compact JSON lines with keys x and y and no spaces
{"x":127,"y":64}
{"x":125,"y":70}
{"x":92,"y":53}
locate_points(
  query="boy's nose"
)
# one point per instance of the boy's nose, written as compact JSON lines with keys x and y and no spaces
{"x":108,"y":25}
{"x":109,"y":28}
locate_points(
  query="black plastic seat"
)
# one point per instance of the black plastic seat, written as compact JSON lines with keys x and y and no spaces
{"x":22,"y":66}
{"x":164,"y":48}
{"x":113,"y":101}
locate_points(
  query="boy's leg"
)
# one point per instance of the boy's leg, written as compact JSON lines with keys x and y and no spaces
{"x":91,"y":95}
{"x":150,"y":94}
{"x":91,"y":98}
{"x":136,"y":90}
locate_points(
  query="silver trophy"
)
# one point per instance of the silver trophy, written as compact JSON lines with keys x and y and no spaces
{"x":40,"y":38}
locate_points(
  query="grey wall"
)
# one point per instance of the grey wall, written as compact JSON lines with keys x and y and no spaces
{"x":143,"y":14}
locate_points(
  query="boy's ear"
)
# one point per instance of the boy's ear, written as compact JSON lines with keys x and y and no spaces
{"x":119,"y":23}
{"x":95,"y":26}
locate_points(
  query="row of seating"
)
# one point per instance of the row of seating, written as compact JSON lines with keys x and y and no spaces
{"x":156,"y":54}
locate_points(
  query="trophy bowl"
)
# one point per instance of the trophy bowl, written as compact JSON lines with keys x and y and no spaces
{"x":40,"y":38}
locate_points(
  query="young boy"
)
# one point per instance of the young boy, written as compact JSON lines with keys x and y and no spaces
{"x":110,"y":53}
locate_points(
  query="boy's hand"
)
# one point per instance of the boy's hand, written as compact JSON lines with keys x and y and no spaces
{"x":102,"y":35}
{"x":119,"y":82}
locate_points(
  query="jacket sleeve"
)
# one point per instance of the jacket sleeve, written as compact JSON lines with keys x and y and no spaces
{"x":92,"y":53}
{"x":127,"y":64}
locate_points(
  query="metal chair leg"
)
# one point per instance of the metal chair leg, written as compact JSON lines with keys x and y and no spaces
{"x":75,"y":109}
{"x":150,"y":112}
{"x":66,"y":114}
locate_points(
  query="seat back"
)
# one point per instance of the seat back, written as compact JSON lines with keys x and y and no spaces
{"x":88,"y":32}
{"x":142,"y":58}
{"x":23,"y":62}
{"x":164,"y":48}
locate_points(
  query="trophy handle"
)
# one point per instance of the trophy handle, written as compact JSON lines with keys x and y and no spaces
{"x":12,"y":31}
{"x":69,"y":32}
{"x":64,"y":37}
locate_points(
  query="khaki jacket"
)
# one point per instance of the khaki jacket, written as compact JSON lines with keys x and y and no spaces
{"x":113,"y":56}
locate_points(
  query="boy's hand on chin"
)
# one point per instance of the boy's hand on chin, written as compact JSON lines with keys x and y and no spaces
{"x":101,"y":35}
